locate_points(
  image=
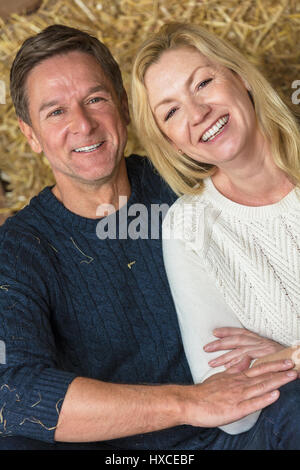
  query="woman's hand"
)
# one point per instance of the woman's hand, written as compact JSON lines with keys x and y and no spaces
{"x":244,"y":346}
{"x":293,"y":353}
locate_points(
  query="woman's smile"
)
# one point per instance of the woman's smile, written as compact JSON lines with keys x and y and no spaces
{"x":215,"y":130}
{"x":202,"y":107}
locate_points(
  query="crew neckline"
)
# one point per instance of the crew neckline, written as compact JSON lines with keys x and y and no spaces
{"x":288,"y":202}
{"x":60,"y":214}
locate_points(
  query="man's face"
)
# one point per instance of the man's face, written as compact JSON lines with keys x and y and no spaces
{"x":77,"y":119}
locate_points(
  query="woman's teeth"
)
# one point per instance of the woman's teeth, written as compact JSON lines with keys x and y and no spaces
{"x":88,"y":148}
{"x":215,"y":129}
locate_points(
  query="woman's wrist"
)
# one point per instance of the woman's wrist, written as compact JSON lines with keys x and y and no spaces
{"x":292,"y":352}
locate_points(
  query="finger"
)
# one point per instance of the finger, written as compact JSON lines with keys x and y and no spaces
{"x":255,"y":353}
{"x":268,"y":367}
{"x":269,"y":383}
{"x":226,"y":358}
{"x":236,"y":355}
{"x":230,"y":342}
{"x":258,"y":403}
{"x":230,"y":331}
{"x":240,"y":366}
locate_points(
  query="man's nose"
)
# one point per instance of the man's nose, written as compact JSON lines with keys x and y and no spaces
{"x":81,"y":121}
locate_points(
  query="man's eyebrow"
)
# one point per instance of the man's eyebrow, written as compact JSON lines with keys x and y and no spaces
{"x":48,"y":104}
{"x":94,"y":89}
{"x":187,"y":83}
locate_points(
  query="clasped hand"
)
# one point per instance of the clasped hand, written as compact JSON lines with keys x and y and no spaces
{"x":240,"y":390}
{"x":245,"y":346}
{"x":231,"y":395}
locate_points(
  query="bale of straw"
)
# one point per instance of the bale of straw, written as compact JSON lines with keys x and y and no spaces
{"x":267,"y":31}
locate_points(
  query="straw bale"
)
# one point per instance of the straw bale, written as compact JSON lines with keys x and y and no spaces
{"x":267,"y":31}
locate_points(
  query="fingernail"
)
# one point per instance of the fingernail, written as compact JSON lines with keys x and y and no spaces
{"x":216,"y":332}
{"x":291,"y":373}
{"x":288,"y":362}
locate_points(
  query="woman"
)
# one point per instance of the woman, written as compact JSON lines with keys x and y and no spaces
{"x":221,"y":137}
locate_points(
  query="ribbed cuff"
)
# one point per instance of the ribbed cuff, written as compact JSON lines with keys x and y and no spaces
{"x":38,"y":420}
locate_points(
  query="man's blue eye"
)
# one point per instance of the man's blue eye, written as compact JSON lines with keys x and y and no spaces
{"x":96,"y":99}
{"x":57,"y":112}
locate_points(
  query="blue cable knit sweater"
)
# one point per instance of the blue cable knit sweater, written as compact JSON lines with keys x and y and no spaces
{"x":75,"y":305}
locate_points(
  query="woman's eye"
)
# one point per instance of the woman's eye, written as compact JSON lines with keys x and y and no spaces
{"x":204,"y":83}
{"x":170,"y":114}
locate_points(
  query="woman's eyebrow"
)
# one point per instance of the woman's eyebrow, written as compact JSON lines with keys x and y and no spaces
{"x":187,"y":83}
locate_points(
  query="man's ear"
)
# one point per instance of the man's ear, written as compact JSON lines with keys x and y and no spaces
{"x":30,"y":136}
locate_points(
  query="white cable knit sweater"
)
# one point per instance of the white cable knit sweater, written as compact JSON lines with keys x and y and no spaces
{"x":233,"y":265}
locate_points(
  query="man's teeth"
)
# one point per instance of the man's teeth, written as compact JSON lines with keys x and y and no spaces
{"x":215,"y":129}
{"x":88,"y":148}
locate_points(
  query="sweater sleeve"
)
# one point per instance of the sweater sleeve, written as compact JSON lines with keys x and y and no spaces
{"x":32,"y":386}
{"x":200,"y":308}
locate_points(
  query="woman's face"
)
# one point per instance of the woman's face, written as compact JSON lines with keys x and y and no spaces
{"x":202,"y":107}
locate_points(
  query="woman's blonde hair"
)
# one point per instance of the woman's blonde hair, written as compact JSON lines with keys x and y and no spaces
{"x":277,"y":122}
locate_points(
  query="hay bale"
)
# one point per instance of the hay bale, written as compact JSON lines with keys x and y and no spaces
{"x":266,"y":31}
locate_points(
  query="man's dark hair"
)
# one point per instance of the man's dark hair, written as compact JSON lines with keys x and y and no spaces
{"x":57,"y":40}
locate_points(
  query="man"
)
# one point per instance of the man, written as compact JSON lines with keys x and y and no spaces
{"x":87,"y":320}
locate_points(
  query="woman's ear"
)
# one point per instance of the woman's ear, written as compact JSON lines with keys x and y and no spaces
{"x":246,"y":84}
{"x":30,"y":135}
{"x":243,"y":80}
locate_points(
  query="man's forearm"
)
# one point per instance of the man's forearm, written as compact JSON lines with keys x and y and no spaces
{"x":95,"y":410}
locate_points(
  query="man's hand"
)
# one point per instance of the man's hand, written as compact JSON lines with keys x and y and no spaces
{"x":244,"y":345}
{"x":229,"y":396}
{"x":94,"y":411}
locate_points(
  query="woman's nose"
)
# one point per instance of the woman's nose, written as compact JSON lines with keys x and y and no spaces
{"x":197,"y":112}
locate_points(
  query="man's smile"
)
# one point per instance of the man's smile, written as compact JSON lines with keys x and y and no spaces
{"x":88,"y":148}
